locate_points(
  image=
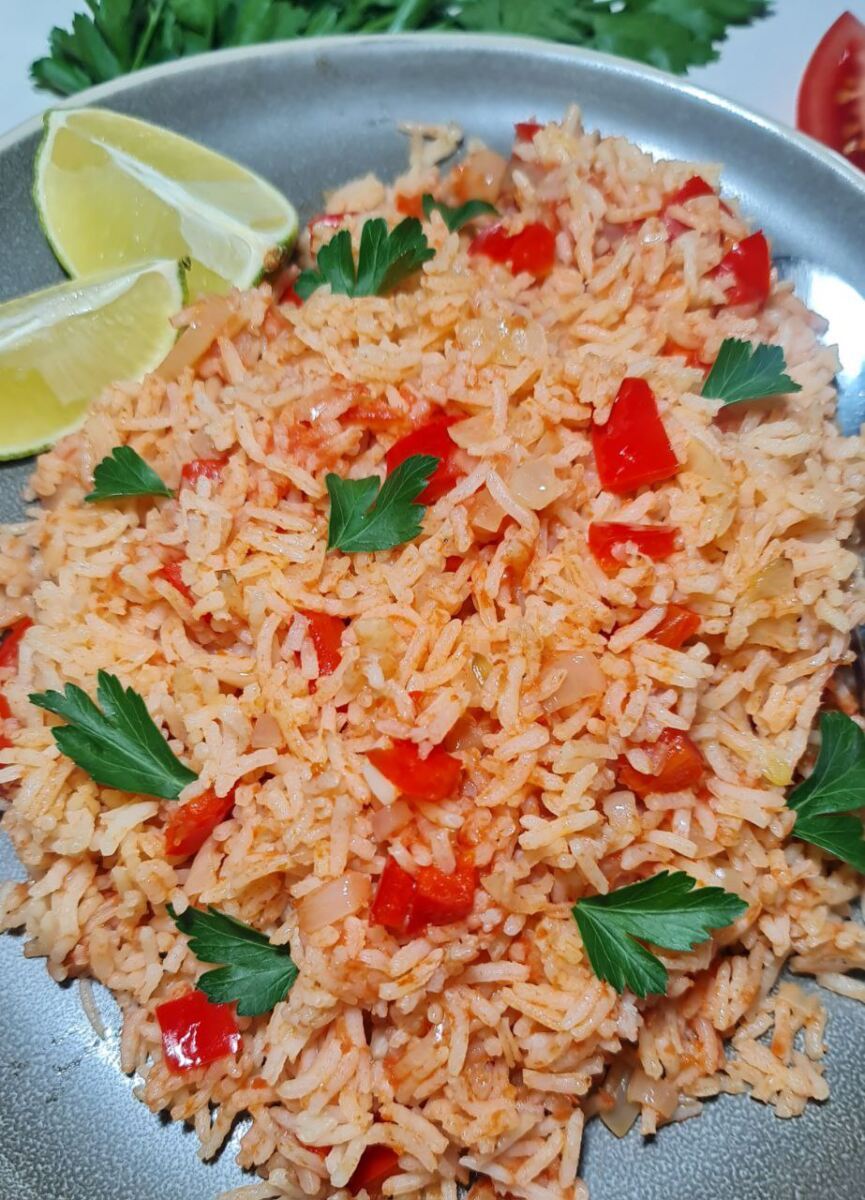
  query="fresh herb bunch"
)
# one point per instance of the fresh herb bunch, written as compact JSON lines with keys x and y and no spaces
{"x":119,"y":36}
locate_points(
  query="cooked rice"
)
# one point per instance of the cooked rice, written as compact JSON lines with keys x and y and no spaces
{"x":482,"y":1046}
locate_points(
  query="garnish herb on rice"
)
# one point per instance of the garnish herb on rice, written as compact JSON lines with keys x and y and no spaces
{"x":743,"y":371}
{"x":824,"y":803}
{"x":123,"y":472}
{"x":120,"y":746}
{"x":385,"y":258}
{"x":255,"y":975}
{"x":667,"y":910}
{"x":455,"y":218}
{"x":367,"y":515}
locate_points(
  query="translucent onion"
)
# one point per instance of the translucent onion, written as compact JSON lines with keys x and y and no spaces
{"x":508,"y":343}
{"x":210,"y":319}
{"x":333,"y":902}
{"x":535,"y":484}
{"x":381,"y":788}
{"x":480,"y":175}
{"x":390,"y":820}
{"x":583,"y":677}
{"x":776,"y":770}
{"x":624,"y":1112}
{"x":474,"y":431}
{"x":481,"y":667}
{"x":729,"y":879}
{"x":774,"y":581}
{"x":487,"y":514}
{"x":266,"y":733}
{"x":659,"y":1094}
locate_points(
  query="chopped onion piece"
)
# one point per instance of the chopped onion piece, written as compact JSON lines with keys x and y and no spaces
{"x":624,"y":1112}
{"x":659,"y":1094}
{"x":487,"y":514}
{"x":381,"y":788}
{"x":211,"y":317}
{"x":776,"y":770}
{"x":266,"y":733}
{"x":583,"y":677}
{"x":479,"y":176}
{"x":772,"y":582}
{"x":333,"y":901}
{"x":535,"y":484}
{"x":390,"y":820}
{"x":481,"y":667}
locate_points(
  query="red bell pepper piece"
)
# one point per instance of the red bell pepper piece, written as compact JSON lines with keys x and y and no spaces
{"x":655,"y":541}
{"x":533,"y":249}
{"x":441,"y":899}
{"x":377,"y":1163}
{"x":677,"y":625}
{"x":432,"y":438}
{"x":679,"y":766}
{"x":326,"y":634}
{"x":5,"y":714}
{"x":192,"y":823}
{"x":172,"y":572}
{"x":202,"y":468}
{"x":747,"y":268}
{"x":526,"y":130}
{"x":196,"y":1032}
{"x":10,"y":641}
{"x":633,"y":449}
{"x":432,"y":778}
{"x":694,"y":187}
{"x":393,"y":902}
{"x":453,"y":562}
{"x":409,"y":205}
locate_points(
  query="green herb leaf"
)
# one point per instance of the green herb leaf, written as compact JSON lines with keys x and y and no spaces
{"x":123,"y":472}
{"x":746,"y":372}
{"x":256,"y":976}
{"x":666,"y":910}
{"x":121,"y":746}
{"x":824,"y":802}
{"x":455,"y":218}
{"x":365,"y":518}
{"x":385,"y":259}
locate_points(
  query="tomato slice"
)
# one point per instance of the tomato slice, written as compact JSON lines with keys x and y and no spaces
{"x":432,"y":778}
{"x":432,"y":438}
{"x":196,"y":1032}
{"x":202,"y":468}
{"x":633,"y":449}
{"x":677,"y":625}
{"x":526,"y":130}
{"x":695,"y":186}
{"x":747,"y":270}
{"x":377,"y":1163}
{"x":173,"y":573}
{"x":326,"y":635}
{"x":394,"y":898}
{"x":441,"y":899}
{"x":533,"y":249}
{"x":10,"y":641}
{"x":679,"y":766}
{"x":192,"y":823}
{"x":409,"y":206}
{"x":655,"y":541}
{"x":831,"y":105}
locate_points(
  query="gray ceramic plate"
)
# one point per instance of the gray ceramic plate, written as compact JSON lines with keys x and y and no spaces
{"x":308,"y":116}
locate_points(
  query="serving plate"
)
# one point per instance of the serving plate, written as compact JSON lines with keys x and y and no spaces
{"x":308,"y":116}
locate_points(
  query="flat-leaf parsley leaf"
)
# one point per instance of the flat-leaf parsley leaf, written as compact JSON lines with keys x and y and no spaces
{"x":666,"y":910}
{"x":256,"y":975}
{"x":455,"y":218}
{"x":824,"y":803}
{"x":366,"y":515}
{"x":743,"y":371}
{"x":385,"y":258}
{"x":123,"y":472}
{"x":121,"y":746}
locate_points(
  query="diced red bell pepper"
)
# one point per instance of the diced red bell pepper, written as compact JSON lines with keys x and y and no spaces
{"x":432,"y":778}
{"x":678,"y":766}
{"x":432,"y":438}
{"x":377,"y":1163}
{"x":10,"y":641}
{"x":441,"y":899}
{"x":677,"y":625}
{"x":655,"y":541}
{"x":747,"y":268}
{"x":453,"y":562}
{"x":409,"y":205}
{"x":202,"y":468}
{"x":694,"y":187}
{"x":393,"y":902}
{"x":533,"y":249}
{"x":633,"y":449}
{"x":692,"y":358}
{"x":192,"y":823}
{"x":326,"y":634}
{"x":172,"y":572}
{"x":526,"y":130}
{"x":5,"y":714}
{"x":196,"y":1032}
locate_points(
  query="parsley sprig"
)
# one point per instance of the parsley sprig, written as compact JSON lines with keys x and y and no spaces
{"x":455,"y":218}
{"x":824,"y":803}
{"x":256,"y":975}
{"x":120,"y":746}
{"x":743,"y":371}
{"x":123,"y":472}
{"x":667,"y":910}
{"x":366,"y":515}
{"x":385,"y":258}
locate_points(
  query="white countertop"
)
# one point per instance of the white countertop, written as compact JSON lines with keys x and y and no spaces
{"x":760,"y":66}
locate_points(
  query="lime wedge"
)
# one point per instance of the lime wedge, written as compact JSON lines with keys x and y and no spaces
{"x":112,"y":191}
{"x":60,"y":347}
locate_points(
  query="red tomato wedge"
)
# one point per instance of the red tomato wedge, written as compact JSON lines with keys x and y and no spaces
{"x":677,"y":625}
{"x":526,"y":130}
{"x":196,"y":1032}
{"x":679,"y":766}
{"x":831,"y":105}
{"x":695,"y":186}
{"x":326,"y":635}
{"x":533,"y":249}
{"x":5,"y":714}
{"x":394,"y":898}
{"x":655,"y":541}
{"x":633,"y":449}
{"x":377,"y":1163}
{"x":202,"y":468}
{"x":432,"y":778}
{"x":432,"y":438}
{"x":173,"y":573}
{"x":192,"y":823}
{"x":441,"y":899}
{"x":10,"y":641}
{"x":746,"y":271}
